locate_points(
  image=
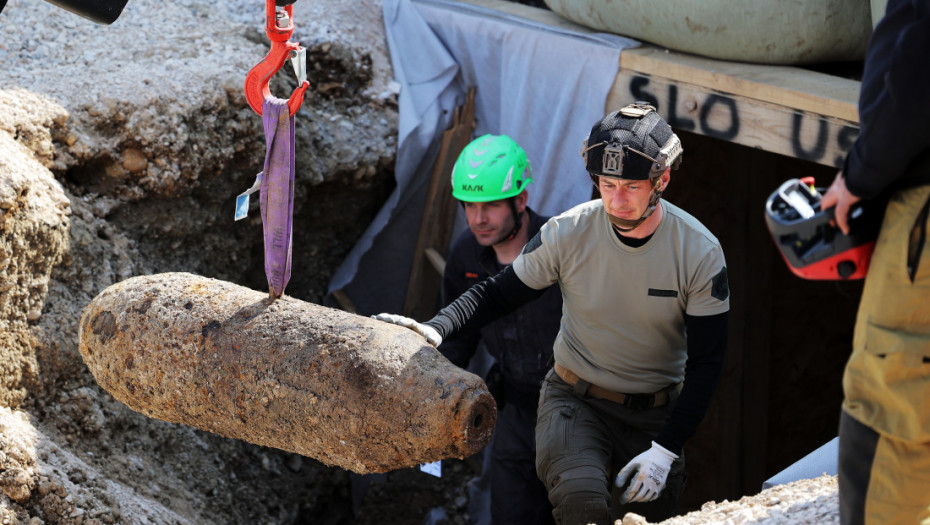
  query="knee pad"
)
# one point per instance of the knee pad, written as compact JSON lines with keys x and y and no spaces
{"x":580,"y":495}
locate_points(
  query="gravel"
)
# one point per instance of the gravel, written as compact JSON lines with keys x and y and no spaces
{"x":807,"y":501}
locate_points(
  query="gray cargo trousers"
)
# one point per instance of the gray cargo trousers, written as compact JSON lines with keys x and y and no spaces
{"x":581,"y":445}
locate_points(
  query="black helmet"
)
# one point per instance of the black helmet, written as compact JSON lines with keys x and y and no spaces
{"x":811,"y":246}
{"x":632,"y":143}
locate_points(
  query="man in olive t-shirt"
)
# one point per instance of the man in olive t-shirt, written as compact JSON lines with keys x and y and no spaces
{"x":643,"y":331}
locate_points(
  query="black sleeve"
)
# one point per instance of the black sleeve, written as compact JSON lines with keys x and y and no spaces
{"x":707,"y":345}
{"x":893,"y":102}
{"x":460,"y":348}
{"x":484,"y":302}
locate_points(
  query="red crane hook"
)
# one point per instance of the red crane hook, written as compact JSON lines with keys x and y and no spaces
{"x":256,"y":81}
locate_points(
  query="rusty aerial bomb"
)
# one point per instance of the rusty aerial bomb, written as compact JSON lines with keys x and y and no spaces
{"x":346,"y":390}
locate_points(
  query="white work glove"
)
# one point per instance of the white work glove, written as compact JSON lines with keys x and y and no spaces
{"x":428,"y":332}
{"x":649,"y":471}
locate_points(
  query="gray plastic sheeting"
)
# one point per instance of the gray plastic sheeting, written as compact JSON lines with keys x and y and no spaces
{"x":817,"y":463}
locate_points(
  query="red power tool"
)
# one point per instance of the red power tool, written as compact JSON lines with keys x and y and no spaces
{"x":814,"y":248}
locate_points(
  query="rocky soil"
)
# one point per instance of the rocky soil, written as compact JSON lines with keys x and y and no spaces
{"x":122,"y":149}
{"x":807,"y":501}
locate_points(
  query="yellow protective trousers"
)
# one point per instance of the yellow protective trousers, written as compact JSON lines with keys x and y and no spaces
{"x":887,"y":378}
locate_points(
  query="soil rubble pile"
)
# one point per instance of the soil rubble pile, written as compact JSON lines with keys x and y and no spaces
{"x":122,"y":149}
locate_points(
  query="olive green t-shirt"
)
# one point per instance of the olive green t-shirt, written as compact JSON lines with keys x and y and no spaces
{"x":623,"y":308}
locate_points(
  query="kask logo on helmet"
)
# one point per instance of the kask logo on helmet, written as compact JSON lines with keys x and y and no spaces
{"x":472,"y":187}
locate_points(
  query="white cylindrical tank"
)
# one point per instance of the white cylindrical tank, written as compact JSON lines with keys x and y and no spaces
{"x":759,"y":31}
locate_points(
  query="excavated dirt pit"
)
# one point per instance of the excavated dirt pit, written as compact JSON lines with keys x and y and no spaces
{"x":122,"y":149}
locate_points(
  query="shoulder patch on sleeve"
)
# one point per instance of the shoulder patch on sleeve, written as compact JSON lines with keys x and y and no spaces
{"x":533,"y":243}
{"x":721,"y":288}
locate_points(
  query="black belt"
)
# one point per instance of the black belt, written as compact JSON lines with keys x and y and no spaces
{"x":635,"y":401}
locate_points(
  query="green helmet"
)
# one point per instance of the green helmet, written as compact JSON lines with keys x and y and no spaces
{"x":490,"y":168}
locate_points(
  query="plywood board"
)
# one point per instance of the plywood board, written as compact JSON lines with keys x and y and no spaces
{"x":791,"y":87}
{"x":735,"y":118}
{"x":422,"y":299}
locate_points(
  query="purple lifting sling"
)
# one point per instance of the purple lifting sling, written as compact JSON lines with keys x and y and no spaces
{"x":277,"y":192}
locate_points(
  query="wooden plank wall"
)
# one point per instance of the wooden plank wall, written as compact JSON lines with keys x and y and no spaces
{"x":789,"y":111}
{"x":423,"y":290}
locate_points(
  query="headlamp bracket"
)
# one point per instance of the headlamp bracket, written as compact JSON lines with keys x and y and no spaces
{"x":637,"y":110}
{"x":612,"y":160}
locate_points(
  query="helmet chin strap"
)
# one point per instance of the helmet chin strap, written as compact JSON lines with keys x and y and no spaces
{"x":628,"y":225}
{"x":516,"y":223}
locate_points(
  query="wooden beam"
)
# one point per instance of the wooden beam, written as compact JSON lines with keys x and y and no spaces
{"x":790,"y":87}
{"x":739,"y":119}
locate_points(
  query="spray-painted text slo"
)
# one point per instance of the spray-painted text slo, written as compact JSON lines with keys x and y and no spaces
{"x":779,"y":129}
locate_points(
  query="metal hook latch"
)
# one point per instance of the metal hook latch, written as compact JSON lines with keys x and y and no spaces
{"x":298,"y":60}
{"x":279,"y":25}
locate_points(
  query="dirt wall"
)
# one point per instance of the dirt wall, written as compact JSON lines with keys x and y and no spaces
{"x":122,"y":149}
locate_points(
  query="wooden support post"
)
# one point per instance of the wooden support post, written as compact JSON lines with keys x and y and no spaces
{"x":436,"y":260}
{"x":438,"y":215}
